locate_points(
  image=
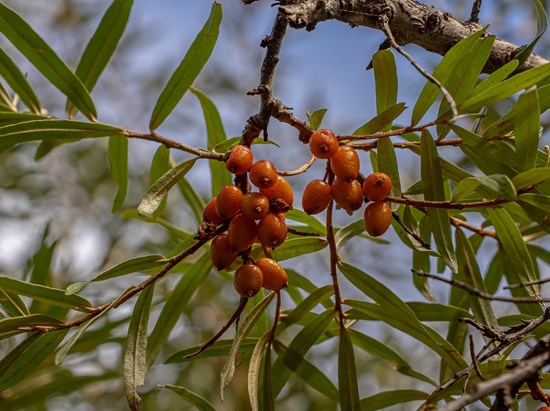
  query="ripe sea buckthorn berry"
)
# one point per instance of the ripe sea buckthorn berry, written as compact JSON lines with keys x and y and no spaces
{"x":272,"y":230}
{"x":209,"y":213}
{"x":255,"y":205}
{"x":377,"y":218}
{"x":240,"y":159}
{"x":281,"y":191}
{"x":345,"y":163}
{"x":323,"y":143}
{"x":248,"y":280}
{"x":545,"y":408}
{"x":228,"y":201}
{"x":275,"y":277}
{"x":316,"y":197}
{"x":263,"y":174}
{"x":349,"y":196}
{"x":222,"y":253}
{"x":242,"y":232}
{"x":377,"y":186}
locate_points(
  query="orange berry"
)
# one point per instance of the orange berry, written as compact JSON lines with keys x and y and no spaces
{"x":255,"y":205}
{"x":263,"y":174}
{"x":316,"y":197}
{"x":349,"y":196}
{"x":345,"y":163}
{"x":240,"y":159}
{"x":323,"y":143}
{"x":248,"y":280}
{"x":280,"y":191}
{"x":228,"y":201}
{"x":377,"y":218}
{"x":209,"y":213}
{"x":275,"y":277}
{"x":222,"y":253}
{"x":377,"y":186}
{"x":242,"y":232}
{"x":272,"y":230}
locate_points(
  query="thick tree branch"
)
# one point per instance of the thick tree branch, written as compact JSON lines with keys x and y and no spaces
{"x":409,"y":21}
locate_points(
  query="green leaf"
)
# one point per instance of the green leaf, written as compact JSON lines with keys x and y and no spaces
{"x":6,"y":103}
{"x":387,"y":163}
{"x":118,"y":160}
{"x":385,"y":79}
{"x":437,"y":312}
{"x":193,"y":199}
{"x":386,"y":399}
{"x":527,"y":129}
{"x":347,"y":373}
{"x":542,"y":23}
{"x":316,"y":118}
{"x":33,"y":320}
{"x":228,"y":144}
{"x":381,"y":121}
{"x":189,"y":68}
{"x":294,"y":247}
{"x":433,"y":189}
{"x":13,"y":304}
{"x":497,"y":184}
{"x":102,"y":45}
{"x":496,"y":77}
{"x":135,"y":366}
{"x":532,"y":177}
{"x":219,"y":349}
{"x":18,"y":82}
{"x":346,"y":233}
{"x":41,"y":55}
{"x":53,"y":129}
{"x":316,"y":297}
{"x":254,"y":370}
{"x":540,"y":201}
{"x":160,"y":165}
{"x":27,"y":356}
{"x":195,"y":399}
{"x":50,"y":295}
{"x":158,"y":191}
{"x":228,"y":369}
{"x":309,"y":220}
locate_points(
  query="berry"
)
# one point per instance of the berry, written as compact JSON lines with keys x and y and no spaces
{"x":272,"y":230}
{"x":377,"y":218}
{"x":263,"y":174}
{"x":248,"y":280}
{"x":323,"y":143}
{"x":222,"y":253}
{"x":316,"y":197}
{"x":209,"y":213}
{"x":349,"y":196}
{"x":345,"y":163}
{"x":242,"y":232}
{"x":275,"y":277}
{"x":228,"y":201}
{"x":281,"y":191}
{"x":240,"y":160}
{"x":377,"y":186}
{"x":255,"y":205}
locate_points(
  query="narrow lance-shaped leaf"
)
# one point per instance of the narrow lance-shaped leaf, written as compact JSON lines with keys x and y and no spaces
{"x":18,"y":82}
{"x":347,"y":373}
{"x":160,"y":165}
{"x":532,"y":177}
{"x":197,"y":400}
{"x":542,"y":23}
{"x":499,"y":185}
{"x":41,"y":55}
{"x":386,"y":399}
{"x":381,"y":121}
{"x":316,"y":118}
{"x":254,"y":370}
{"x":135,"y":365}
{"x":118,"y":160}
{"x":496,"y":77}
{"x":14,"y":323}
{"x":102,"y":45}
{"x":526,"y":128}
{"x":385,"y":79}
{"x":387,"y":163}
{"x":189,"y":68}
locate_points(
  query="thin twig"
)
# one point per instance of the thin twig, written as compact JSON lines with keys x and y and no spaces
{"x":457,"y":222}
{"x":446,"y":204}
{"x":302,"y":233}
{"x":410,"y":232}
{"x":474,"y":359}
{"x":526,"y":284}
{"x":299,"y":170}
{"x":476,"y":8}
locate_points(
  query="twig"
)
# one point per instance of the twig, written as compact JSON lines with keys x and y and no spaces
{"x":410,"y":232}
{"x":457,"y":222}
{"x":526,"y":284}
{"x":387,"y":31}
{"x":446,"y":204}
{"x":299,"y":170}
{"x":474,"y":359}
{"x":302,"y":233}
{"x":476,"y":8}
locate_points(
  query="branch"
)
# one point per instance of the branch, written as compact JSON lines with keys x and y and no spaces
{"x":410,"y":22}
{"x":446,"y":204}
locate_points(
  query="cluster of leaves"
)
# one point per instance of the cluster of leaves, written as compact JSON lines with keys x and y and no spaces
{"x":509,"y":191}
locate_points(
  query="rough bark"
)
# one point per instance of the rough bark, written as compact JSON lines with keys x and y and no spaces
{"x":410,"y":22}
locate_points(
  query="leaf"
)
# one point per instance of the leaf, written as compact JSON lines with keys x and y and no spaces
{"x":6,"y":103}
{"x":135,"y":365}
{"x":158,"y":191}
{"x":495,"y":77}
{"x":316,"y":118}
{"x":228,"y":369}
{"x":432,"y":187}
{"x":189,"y":68}
{"x":385,"y":79}
{"x":216,"y":135}
{"x":254,"y":369}
{"x":542,"y":23}
{"x":497,"y":184}
{"x":53,"y":129}
{"x":346,"y":233}
{"x":309,"y":220}
{"x":387,"y":163}
{"x":438,"y":312}
{"x":160,"y":165}
{"x":118,"y":160}
{"x":49,"y":295}
{"x":294,"y":247}
{"x":532,"y":177}
{"x":195,"y":399}
{"x":193,"y":199}
{"x":538,"y":200}
{"x":41,"y":55}
{"x":102,"y":45}
{"x":27,"y":356}
{"x":13,"y":304}
{"x":347,"y":373}
{"x":18,"y":82}
{"x":381,"y":121}
{"x":527,"y":129}
{"x":32,"y":320}
{"x":386,"y":399}
{"x":219,"y":349}
{"x":311,"y":301}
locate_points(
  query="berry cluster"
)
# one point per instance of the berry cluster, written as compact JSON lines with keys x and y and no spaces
{"x":346,"y":190}
{"x":250,"y":217}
